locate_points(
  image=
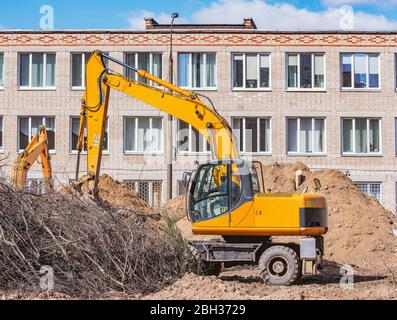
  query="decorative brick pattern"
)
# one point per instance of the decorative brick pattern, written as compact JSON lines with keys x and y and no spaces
{"x":206,"y":39}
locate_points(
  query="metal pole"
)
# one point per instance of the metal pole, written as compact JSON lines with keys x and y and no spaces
{"x":170,"y":118}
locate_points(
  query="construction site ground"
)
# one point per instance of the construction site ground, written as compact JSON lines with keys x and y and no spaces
{"x":360,"y":242}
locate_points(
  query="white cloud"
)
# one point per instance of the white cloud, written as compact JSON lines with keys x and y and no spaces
{"x":278,"y":16}
{"x":383,"y":3}
{"x":283,"y":16}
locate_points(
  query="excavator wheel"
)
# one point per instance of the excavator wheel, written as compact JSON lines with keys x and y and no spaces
{"x":280,"y":266}
{"x":205,"y":268}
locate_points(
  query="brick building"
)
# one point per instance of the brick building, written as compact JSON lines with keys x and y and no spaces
{"x":325,"y":98}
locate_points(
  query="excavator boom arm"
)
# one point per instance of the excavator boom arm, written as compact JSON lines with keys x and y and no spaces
{"x":180,"y":103}
{"x":38,"y":147}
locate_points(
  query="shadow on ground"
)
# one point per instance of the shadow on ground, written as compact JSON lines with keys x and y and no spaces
{"x":331,"y":274}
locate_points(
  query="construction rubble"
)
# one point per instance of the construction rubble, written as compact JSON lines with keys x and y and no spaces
{"x":91,"y":246}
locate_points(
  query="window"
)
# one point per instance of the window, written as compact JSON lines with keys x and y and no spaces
{"x":306,"y":135}
{"x":79,"y":61}
{"x":306,"y":71}
{"x":360,"y":71}
{"x":143,"y":134}
{"x":35,"y":186}
{"x":150,"y":62}
{"x":37,"y":70}
{"x":1,"y":133}
{"x":251,"y":71}
{"x":190,"y":140}
{"x":197,"y":70}
{"x":253,"y":134}
{"x":149,"y":191}
{"x":361,"y":136}
{"x":29,"y":127}
{"x":74,"y":135}
{"x":372,"y":189}
{"x":1,"y":70}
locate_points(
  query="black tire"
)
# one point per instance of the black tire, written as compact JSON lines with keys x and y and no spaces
{"x":205,"y":268}
{"x":280,"y":266}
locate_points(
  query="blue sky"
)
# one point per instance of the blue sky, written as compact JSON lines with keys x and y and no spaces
{"x":269,"y":14}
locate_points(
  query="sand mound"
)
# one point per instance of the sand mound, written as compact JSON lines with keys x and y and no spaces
{"x":360,"y":231}
{"x":360,"y":228}
{"x":176,"y":208}
{"x":113,"y":192}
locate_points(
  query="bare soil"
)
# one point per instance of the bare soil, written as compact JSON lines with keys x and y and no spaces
{"x":360,"y":236}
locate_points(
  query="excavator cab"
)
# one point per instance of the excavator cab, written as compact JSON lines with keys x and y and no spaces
{"x":219,"y":187}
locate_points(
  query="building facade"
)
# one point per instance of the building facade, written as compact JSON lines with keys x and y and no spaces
{"x":327,"y":99}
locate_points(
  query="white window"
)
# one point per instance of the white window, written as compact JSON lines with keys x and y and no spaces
{"x":1,"y":70}
{"x":79,"y":62}
{"x":149,"y":191}
{"x":361,"y":136}
{"x":253,"y":134}
{"x":372,"y":189}
{"x":1,"y":133}
{"x":29,"y":127}
{"x":360,"y":71}
{"x":74,"y":135}
{"x":150,"y":62}
{"x":37,"y":70}
{"x":251,"y":71}
{"x":189,"y":139}
{"x":143,"y":135}
{"x":197,"y":70}
{"x":306,"y":136}
{"x":306,"y":71}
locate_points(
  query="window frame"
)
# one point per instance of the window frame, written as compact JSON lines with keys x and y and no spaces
{"x":30,"y":87}
{"x":352,"y":55}
{"x":262,"y":153}
{"x":190,"y":140}
{"x":298,"y":88}
{"x":136,"y":152}
{"x":368,"y":187}
{"x":151,"y":54}
{"x":358,"y":154}
{"x":2,"y":133}
{"x":51,"y":151}
{"x":2,"y":75}
{"x":84,"y":152}
{"x":190,"y":74}
{"x":298,"y":139}
{"x":151,"y":183}
{"x":84,"y":65}
{"x":244,"y":88}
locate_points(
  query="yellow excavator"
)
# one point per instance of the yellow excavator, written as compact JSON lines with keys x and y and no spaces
{"x":225,"y":195}
{"x":38,"y":147}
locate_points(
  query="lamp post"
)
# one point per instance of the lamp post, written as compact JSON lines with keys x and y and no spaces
{"x":170,"y":118}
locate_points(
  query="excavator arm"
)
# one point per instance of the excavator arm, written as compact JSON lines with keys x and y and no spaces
{"x":38,"y":147}
{"x":182,"y":104}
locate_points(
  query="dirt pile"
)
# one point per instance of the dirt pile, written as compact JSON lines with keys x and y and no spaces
{"x":176,"y":208}
{"x":360,"y":228}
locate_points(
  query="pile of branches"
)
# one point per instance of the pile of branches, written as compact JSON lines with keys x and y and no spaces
{"x":89,"y":248}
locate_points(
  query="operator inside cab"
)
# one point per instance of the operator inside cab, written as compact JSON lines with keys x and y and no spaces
{"x":214,"y":194}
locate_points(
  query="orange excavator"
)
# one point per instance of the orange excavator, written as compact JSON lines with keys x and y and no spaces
{"x":38,"y":147}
